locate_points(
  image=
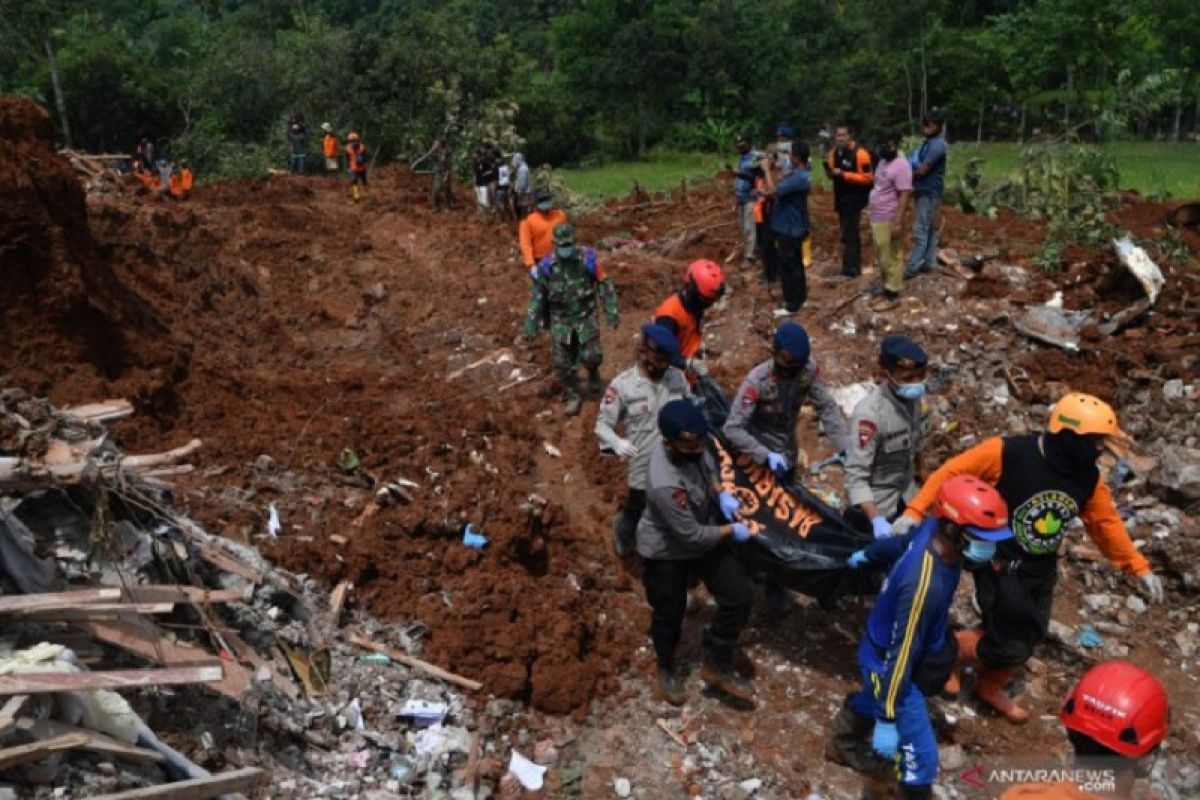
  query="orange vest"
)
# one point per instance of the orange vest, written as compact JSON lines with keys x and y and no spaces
{"x":759,"y":209}
{"x":176,"y":185}
{"x":330,"y":145}
{"x":536,"y":233}
{"x":687,"y":326}
{"x":353,"y":151}
{"x":187,"y":178}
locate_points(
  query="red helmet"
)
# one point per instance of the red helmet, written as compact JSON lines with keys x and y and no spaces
{"x":976,"y":505}
{"x":707,"y":277}
{"x":1120,"y":706}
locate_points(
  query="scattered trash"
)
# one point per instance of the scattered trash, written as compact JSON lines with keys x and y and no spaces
{"x":531,"y":776}
{"x":1135,"y":259}
{"x":750,"y":785}
{"x":472,"y":539}
{"x":376,"y":658}
{"x":348,"y":460}
{"x":273,"y":524}
{"x":354,"y":715}
{"x":1089,"y":637}
{"x":622,"y":787}
{"x":1053,"y":326}
{"x":553,"y":451}
{"x":359,"y":759}
{"x":402,"y":769}
{"x":424,"y":713}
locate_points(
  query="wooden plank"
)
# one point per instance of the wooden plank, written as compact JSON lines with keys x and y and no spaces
{"x":10,"y":712}
{"x":356,"y":637}
{"x":154,"y":593}
{"x":239,"y":780}
{"x":36,"y":751}
{"x":105,"y":411}
{"x":96,"y":608}
{"x":42,"y":682}
{"x":222,"y":560}
{"x":337,"y":599}
{"x":53,"y":600}
{"x":96,"y":742}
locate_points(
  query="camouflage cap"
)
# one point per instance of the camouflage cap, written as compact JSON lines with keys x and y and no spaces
{"x":564,"y":235}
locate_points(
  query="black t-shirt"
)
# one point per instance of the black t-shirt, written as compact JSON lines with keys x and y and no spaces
{"x":485,"y":171}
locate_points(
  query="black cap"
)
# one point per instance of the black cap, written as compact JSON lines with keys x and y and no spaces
{"x":901,"y":352}
{"x":935,"y":115}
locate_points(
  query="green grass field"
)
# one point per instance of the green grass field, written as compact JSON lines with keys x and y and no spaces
{"x":1152,"y":168}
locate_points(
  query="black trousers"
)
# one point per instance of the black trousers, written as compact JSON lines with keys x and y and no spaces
{"x":1015,"y":601}
{"x":791,"y":271}
{"x":666,"y":583}
{"x":766,"y":249}
{"x":851,"y":241}
{"x":631,"y":512}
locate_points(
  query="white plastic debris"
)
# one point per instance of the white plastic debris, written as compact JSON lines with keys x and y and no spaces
{"x":424,"y":712}
{"x":551,"y":450}
{"x":274,"y":526}
{"x":622,"y":787}
{"x":353,"y":714}
{"x":1136,"y":261}
{"x":531,"y":775}
{"x":1056,"y":301}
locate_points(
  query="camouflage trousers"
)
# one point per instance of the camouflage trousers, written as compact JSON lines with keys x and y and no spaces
{"x":567,"y":355}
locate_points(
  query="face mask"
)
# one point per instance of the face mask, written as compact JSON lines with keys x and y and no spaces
{"x":1069,"y":452}
{"x":979,"y":552}
{"x":788,"y":372}
{"x":910,"y":391}
{"x":544,"y":207}
{"x":680,"y":457}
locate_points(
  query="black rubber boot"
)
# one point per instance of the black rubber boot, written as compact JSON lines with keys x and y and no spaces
{"x":719,"y":670}
{"x":670,"y":687}
{"x":850,"y":744}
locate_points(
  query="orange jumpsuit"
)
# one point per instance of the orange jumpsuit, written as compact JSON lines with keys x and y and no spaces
{"x":536,"y":233}
{"x":686,"y":325}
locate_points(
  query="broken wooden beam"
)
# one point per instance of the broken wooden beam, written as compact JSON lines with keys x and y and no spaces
{"x":357,"y":638}
{"x":104,"y":411}
{"x":224,"y":561}
{"x":153,"y":593}
{"x":49,"y":682}
{"x":10,"y":712}
{"x":51,"y":601}
{"x":238,"y":780}
{"x":96,"y":742}
{"x":337,"y":599}
{"x":36,"y":751}
{"x":93,"y":611}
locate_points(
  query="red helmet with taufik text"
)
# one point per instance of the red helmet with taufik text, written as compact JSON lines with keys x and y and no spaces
{"x":1120,"y":706}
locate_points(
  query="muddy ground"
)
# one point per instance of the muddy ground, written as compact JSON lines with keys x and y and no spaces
{"x":283,"y":324}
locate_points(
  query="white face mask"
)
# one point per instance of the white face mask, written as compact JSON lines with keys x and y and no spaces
{"x":979,"y":551}
{"x":910,"y":391}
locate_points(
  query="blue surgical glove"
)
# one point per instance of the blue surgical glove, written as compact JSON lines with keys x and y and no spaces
{"x":882,"y":528}
{"x":729,"y":506}
{"x":777,"y":463}
{"x":885,"y":741}
{"x":857,"y":559}
{"x":741,"y":532}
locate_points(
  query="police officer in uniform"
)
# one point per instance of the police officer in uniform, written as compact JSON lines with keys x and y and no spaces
{"x":684,"y":534}
{"x":887,"y":430}
{"x":762,"y":420}
{"x":1047,"y":479}
{"x":634,"y":398}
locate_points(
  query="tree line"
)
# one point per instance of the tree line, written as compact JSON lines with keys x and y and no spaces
{"x":217,"y":80}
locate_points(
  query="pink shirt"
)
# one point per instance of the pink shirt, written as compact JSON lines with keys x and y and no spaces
{"x":891,"y":178}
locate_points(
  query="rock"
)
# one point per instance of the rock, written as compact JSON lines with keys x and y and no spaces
{"x":1179,"y":472}
{"x":264,"y":463}
{"x":622,"y":787}
{"x":545,"y":753}
{"x":1186,"y":640}
{"x":1135,"y":604}
{"x":106,"y":768}
{"x":952,"y":757}
{"x":1096,"y":603}
{"x":1173,"y":390}
{"x":750,"y":785}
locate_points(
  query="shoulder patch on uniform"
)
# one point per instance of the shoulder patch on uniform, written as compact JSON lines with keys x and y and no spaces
{"x":680,"y":498}
{"x":866,"y":432}
{"x":749,"y":397}
{"x":610,"y":395}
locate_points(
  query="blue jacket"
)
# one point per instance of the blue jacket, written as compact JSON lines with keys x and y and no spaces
{"x":789,"y":215}
{"x":910,"y":617}
{"x":743,"y":187}
{"x":933,"y":151}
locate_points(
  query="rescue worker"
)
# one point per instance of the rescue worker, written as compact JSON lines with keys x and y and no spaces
{"x":634,"y":398}
{"x":1116,"y":716}
{"x":329,"y":148}
{"x":762,"y":233}
{"x":887,"y":430}
{"x":790,"y":226}
{"x":683,"y":312}
{"x":683,"y":535}
{"x":522,"y":186}
{"x":536,"y":231}
{"x":181,"y":181}
{"x":909,"y":626}
{"x":849,"y":167}
{"x":1047,"y":479}
{"x":356,"y":160}
{"x":763,"y":416}
{"x":745,"y":196}
{"x":564,"y":301}
{"x":443,"y":169}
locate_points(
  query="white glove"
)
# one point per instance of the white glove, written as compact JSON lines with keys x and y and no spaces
{"x":625,"y":449}
{"x":698,"y":366}
{"x":903,"y":524}
{"x":1153,"y":586}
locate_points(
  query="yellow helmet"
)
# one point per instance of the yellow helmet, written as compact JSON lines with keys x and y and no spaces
{"x":1084,"y":414}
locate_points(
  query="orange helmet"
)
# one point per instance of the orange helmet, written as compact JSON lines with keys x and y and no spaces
{"x":707,"y":279}
{"x":352,"y":137}
{"x":1084,"y":414}
{"x":1120,"y":706}
{"x":976,"y":505}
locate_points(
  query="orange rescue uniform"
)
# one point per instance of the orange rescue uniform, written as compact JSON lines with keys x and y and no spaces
{"x":862,"y":162}
{"x":329,"y":146}
{"x":537,"y":234}
{"x":687,"y":327}
{"x":1099,"y":516}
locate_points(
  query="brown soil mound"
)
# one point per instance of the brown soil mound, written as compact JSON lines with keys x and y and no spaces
{"x":278,"y":318}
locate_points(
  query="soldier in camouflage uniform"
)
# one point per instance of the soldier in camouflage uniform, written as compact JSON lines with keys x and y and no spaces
{"x":443,"y":165}
{"x":565,"y":288}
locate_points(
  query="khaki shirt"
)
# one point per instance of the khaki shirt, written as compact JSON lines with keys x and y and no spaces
{"x":634,"y":399}
{"x":683,"y":514}
{"x":887,"y":434}
{"x":763,"y":416}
